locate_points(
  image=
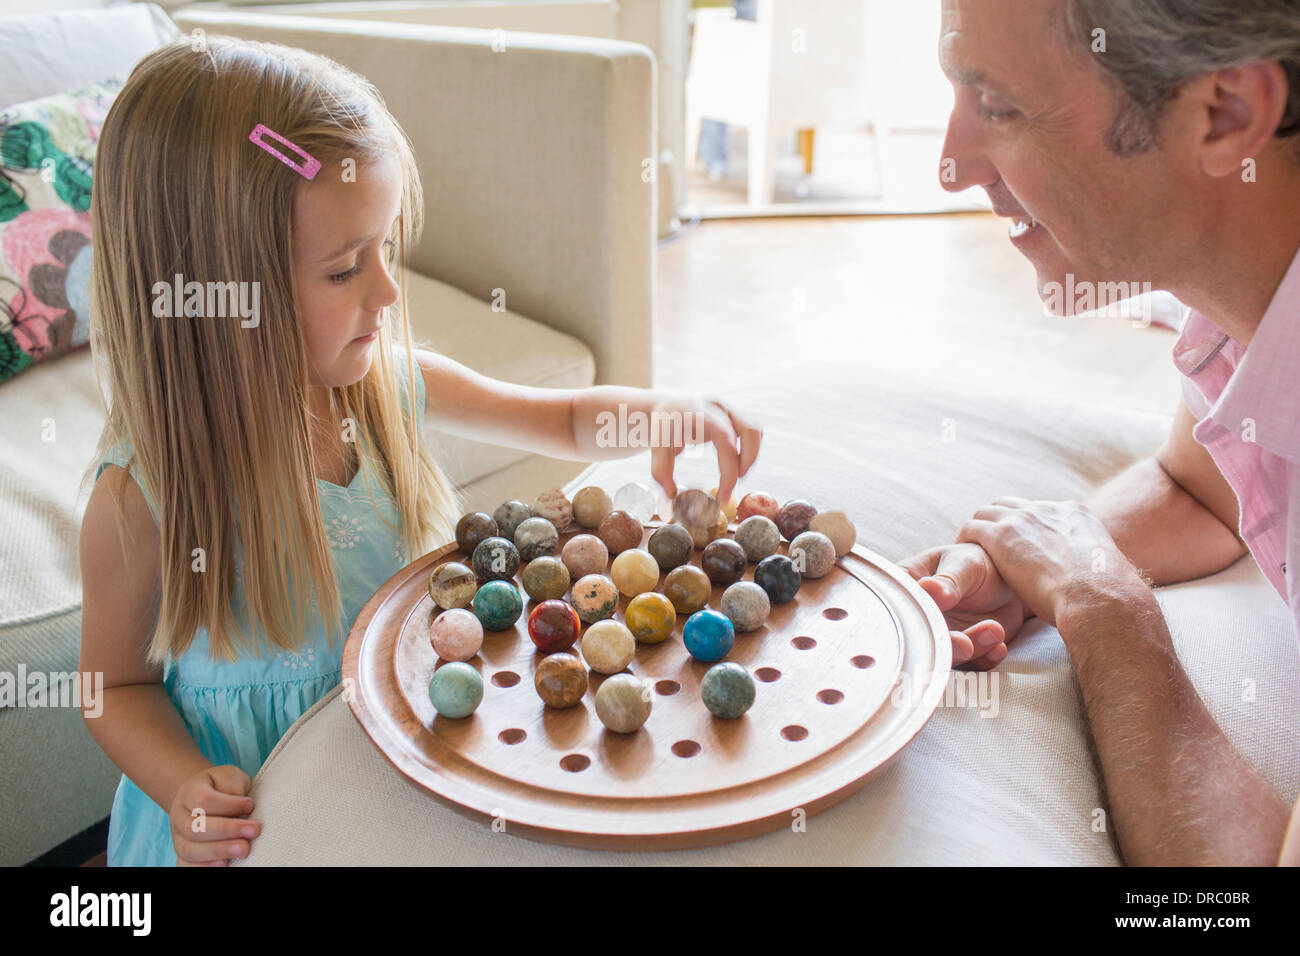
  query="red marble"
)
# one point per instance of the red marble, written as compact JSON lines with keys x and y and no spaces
{"x":554,"y":626}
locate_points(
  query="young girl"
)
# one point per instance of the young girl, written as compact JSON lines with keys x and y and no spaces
{"x":264,"y":468}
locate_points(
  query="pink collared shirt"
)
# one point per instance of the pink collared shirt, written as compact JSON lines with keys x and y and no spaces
{"x":1247,"y":405}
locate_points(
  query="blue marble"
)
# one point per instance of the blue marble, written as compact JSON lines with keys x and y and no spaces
{"x":456,"y":690}
{"x":727,"y":690}
{"x":708,"y":635}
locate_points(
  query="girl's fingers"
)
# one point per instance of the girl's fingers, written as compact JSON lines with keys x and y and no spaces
{"x":661,"y":469}
{"x":199,"y":852}
{"x":216,"y":803}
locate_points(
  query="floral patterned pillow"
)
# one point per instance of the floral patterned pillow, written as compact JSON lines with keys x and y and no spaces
{"x":47,"y":150}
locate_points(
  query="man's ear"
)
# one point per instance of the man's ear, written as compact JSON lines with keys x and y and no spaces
{"x":1244,"y":106}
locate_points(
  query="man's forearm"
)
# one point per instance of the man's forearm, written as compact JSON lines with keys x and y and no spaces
{"x":1160,"y":528}
{"x":1179,"y":793}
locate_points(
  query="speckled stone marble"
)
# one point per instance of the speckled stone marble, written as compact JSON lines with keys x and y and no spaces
{"x":555,"y":508}
{"x":545,"y":578}
{"x":634,"y":572}
{"x":452,"y":585}
{"x":498,"y":605}
{"x":623,"y":703}
{"x":561,"y":680}
{"x":778,"y":576}
{"x":591,"y":505}
{"x":509,"y":515}
{"x":608,"y":646}
{"x":671,"y":545}
{"x":473,"y":528}
{"x":620,"y":531}
{"x":813,"y":554}
{"x":688,"y":588}
{"x":727,"y":689}
{"x":535,"y":537}
{"x":456,"y":635}
{"x":836,"y":526}
{"x":584,"y":554}
{"x":747,"y":605}
{"x":554,"y":626}
{"x":792,"y":520}
{"x":759,"y":536}
{"x":651,"y":617}
{"x":723,"y":561}
{"x":594,"y":597}
{"x":455,"y":690}
{"x":757,"y":503}
{"x":708,"y":635}
{"x":496,"y":559}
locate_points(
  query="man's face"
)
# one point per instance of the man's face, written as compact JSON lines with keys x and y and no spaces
{"x":1029,"y":125}
{"x":344,"y":288}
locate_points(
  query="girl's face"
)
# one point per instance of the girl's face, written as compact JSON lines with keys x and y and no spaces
{"x":343,"y":236}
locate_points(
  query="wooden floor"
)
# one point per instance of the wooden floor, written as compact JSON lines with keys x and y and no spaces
{"x":743,"y":300}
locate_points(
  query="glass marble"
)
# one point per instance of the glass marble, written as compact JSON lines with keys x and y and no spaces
{"x":759,"y":536}
{"x":554,"y":626}
{"x":591,"y":505}
{"x":620,"y":531}
{"x":473,"y":528}
{"x":594,"y":597}
{"x":723,"y":561}
{"x":561,"y":680}
{"x":836,"y":526}
{"x":623,"y":703}
{"x":727,"y":690}
{"x":698,"y":512}
{"x":546,"y":578}
{"x":792,"y":520}
{"x":457,"y":635}
{"x":688,"y":588}
{"x":555,"y":508}
{"x":747,"y":605}
{"x":635,"y":572}
{"x":584,"y":554}
{"x":608,"y":646}
{"x":452,"y":585}
{"x":650,"y":617}
{"x":637,"y":500}
{"x":535,"y":537}
{"x":496,"y":559}
{"x":778,"y":576}
{"x":509,"y":516}
{"x":455,"y":690}
{"x":498,"y":605}
{"x":757,"y":503}
{"x":813,"y":554}
{"x":708,"y":635}
{"x":671,"y":545}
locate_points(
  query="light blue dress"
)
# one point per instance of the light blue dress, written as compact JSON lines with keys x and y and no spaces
{"x":236,"y":712}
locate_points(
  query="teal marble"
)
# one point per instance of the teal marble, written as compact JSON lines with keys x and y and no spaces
{"x":727,"y":690}
{"x":498,"y":605}
{"x":708,"y":635}
{"x":456,"y":690}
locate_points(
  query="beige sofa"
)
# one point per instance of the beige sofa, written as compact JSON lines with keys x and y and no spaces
{"x":531,"y":160}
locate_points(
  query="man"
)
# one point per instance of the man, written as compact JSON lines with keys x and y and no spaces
{"x":1157,"y":140}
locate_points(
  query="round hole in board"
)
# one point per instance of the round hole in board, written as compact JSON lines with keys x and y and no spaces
{"x":794,"y":732}
{"x":803,"y":642}
{"x":513,"y":735}
{"x":505,"y":678}
{"x":835,"y":614}
{"x":575,"y":762}
{"x":668,"y":687}
{"x":862,"y":661}
{"x":830,"y":696}
{"x":686,"y":748}
{"x":767,"y":674}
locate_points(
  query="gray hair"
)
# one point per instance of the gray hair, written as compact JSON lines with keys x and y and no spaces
{"x":1152,"y":47}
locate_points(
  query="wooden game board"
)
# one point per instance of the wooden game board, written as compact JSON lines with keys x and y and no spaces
{"x":825,"y":718}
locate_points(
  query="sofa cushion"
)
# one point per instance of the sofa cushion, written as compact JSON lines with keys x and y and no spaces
{"x":1014,"y":782}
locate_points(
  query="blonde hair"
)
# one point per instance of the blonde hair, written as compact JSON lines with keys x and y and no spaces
{"x":218,"y":415}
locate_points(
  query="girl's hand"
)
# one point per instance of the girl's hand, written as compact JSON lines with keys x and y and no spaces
{"x":215,"y":834}
{"x":706,"y":420}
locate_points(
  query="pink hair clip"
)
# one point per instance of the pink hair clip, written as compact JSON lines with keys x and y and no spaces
{"x":310,"y":166}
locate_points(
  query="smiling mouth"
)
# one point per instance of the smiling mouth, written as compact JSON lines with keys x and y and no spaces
{"x":1021,"y":225}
